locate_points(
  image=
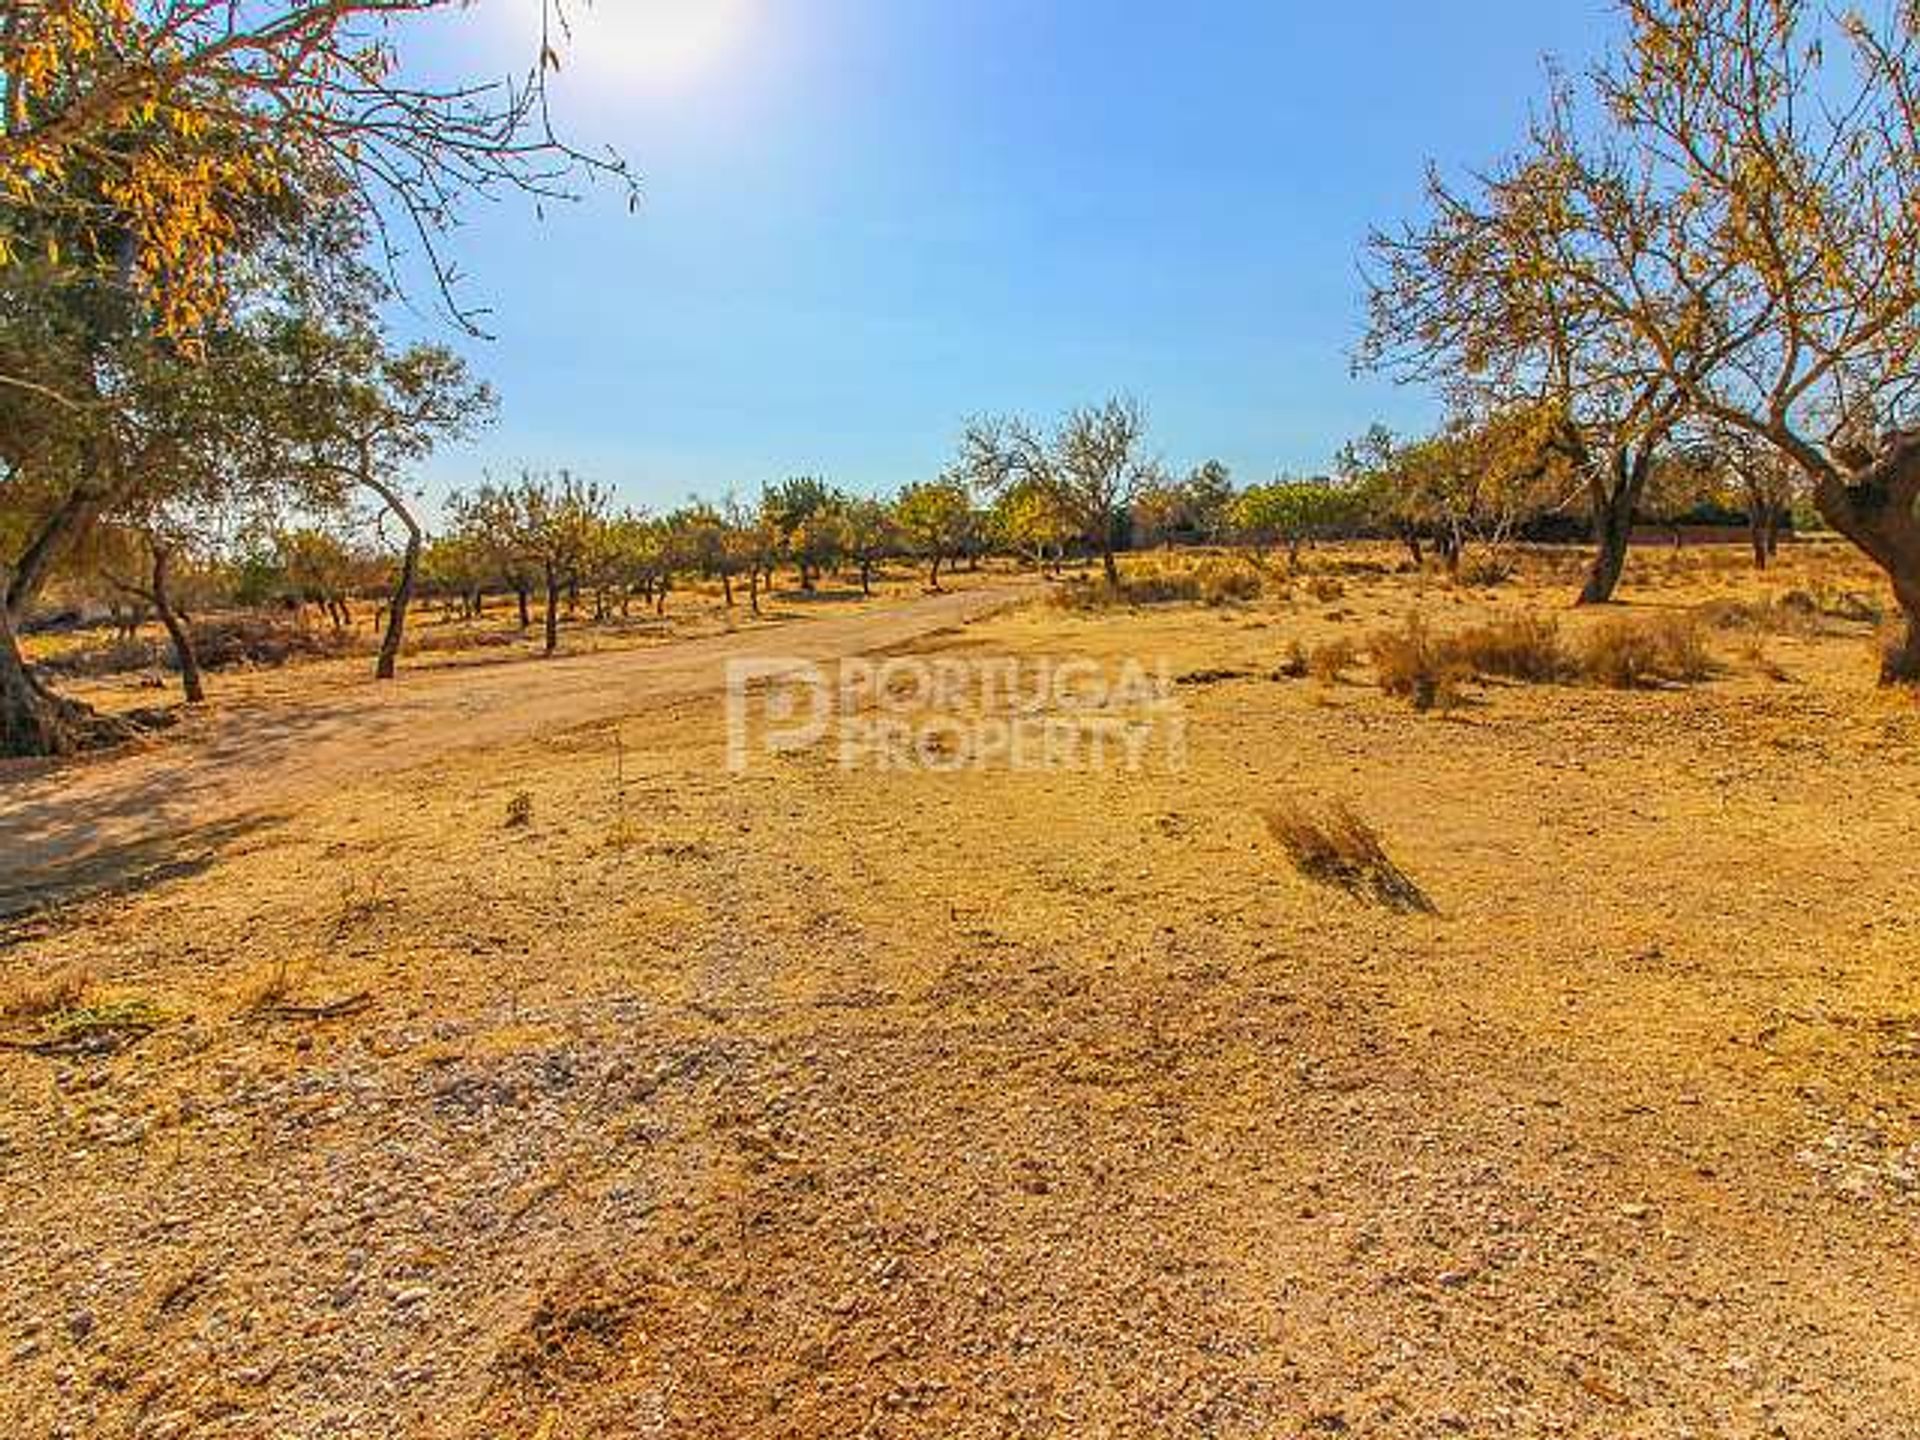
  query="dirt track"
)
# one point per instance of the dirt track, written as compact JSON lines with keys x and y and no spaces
{"x":72,"y":826}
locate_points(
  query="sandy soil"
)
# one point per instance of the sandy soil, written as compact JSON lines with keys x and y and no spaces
{"x":820,"y":1103}
{"x":276,"y":739}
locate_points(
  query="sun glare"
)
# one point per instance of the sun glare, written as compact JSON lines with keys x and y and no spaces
{"x":655,"y":45}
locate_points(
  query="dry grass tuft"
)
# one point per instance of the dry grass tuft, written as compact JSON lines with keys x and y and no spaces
{"x":1630,"y":652}
{"x":1411,"y":664}
{"x":1336,"y":846}
{"x":1793,"y":614}
{"x":1329,"y":663}
{"x":54,"y":994}
{"x":1326,"y":589}
{"x":1214,"y":583}
{"x":520,"y":811}
{"x":1519,"y":647}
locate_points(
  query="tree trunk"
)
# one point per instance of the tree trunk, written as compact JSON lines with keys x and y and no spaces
{"x":184,"y":653}
{"x":1763,"y":529}
{"x":1875,"y":508}
{"x":522,"y":593}
{"x":33,"y":720}
{"x":69,"y":521}
{"x":660,"y":599}
{"x":866,"y":578}
{"x":753,"y":587}
{"x":403,"y":590}
{"x":1614,"y":497}
{"x":933,"y":576}
{"x":1108,"y":564}
{"x":553,"y":612}
{"x":726,"y":586}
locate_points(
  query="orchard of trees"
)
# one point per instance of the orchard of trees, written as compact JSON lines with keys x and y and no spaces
{"x":1706,"y":253}
{"x":1696,"y":280}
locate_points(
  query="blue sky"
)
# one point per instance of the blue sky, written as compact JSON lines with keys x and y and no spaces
{"x":865,"y":220}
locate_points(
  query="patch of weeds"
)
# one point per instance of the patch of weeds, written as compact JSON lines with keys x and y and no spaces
{"x":100,"y":1028}
{"x":1628,"y":652}
{"x":34,"y":999}
{"x":1328,"y":664}
{"x":1335,"y":846}
{"x":1516,"y":647}
{"x":1411,"y":664}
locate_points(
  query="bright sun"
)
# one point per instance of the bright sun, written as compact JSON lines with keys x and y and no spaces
{"x":655,"y":44}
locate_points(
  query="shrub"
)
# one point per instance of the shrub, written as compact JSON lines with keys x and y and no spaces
{"x":1213,"y":583}
{"x":1325,"y":589}
{"x":1518,"y":647}
{"x":1410,"y":664}
{"x":1792,"y":614}
{"x":1329,"y":663}
{"x":1336,"y":847}
{"x":1628,"y":652}
{"x":1487,"y":571}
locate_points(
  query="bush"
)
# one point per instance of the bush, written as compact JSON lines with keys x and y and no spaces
{"x":1627,"y":653}
{"x":1412,"y":665}
{"x":1212,"y":582}
{"x":1337,"y":847}
{"x":1329,"y":663}
{"x":1520,"y":647}
{"x":228,"y":642}
{"x":1325,"y":589}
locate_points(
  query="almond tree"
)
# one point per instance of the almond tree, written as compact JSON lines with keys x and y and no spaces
{"x":1777,"y":282}
{"x":871,"y":534}
{"x":1487,"y":299}
{"x":1092,"y":465}
{"x":316,"y":84}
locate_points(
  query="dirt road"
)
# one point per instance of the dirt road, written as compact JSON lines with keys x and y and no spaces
{"x":78,"y":825}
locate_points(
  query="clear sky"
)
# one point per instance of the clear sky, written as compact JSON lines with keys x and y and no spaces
{"x":865,"y":220}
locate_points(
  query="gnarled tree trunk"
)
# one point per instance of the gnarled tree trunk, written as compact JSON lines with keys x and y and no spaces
{"x":1874,"y":506}
{"x":1614,"y":495}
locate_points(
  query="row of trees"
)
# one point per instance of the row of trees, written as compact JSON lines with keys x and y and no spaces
{"x":363,"y":413}
{"x":1709,"y":246}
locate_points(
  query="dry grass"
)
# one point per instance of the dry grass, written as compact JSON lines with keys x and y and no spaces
{"x":519,"y":811}
{"x":38,"y":997}
{"x":1329,"y":663}
{"x":1621,"y":653}
{"x":1334,"y":845}
{"x":1795,"y":613}
{"x":1631,"y":652}
{"x":1412,"y":664}
{"x":1519,"y":647}
{"x":1213,"y":583}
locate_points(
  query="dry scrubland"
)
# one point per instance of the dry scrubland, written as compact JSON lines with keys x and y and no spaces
{"x":827,"y":1104}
